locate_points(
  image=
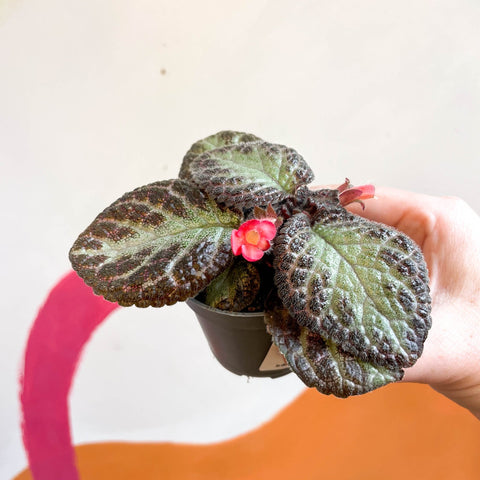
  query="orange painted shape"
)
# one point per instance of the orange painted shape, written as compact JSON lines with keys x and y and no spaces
{"x":402,"y":431}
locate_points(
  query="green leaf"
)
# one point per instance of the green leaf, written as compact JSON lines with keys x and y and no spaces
{"x":157,"y":245}
{"x":236,"y":288}
{"x":361,"y":286}
{"x":322,"y":364}
{"x":249,"y":174}
{"x":220,"y":139}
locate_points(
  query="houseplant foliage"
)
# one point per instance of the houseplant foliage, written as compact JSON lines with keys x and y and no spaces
{"x":346,"y":300}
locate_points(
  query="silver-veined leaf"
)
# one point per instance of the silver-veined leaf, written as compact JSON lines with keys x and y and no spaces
{"x":361,"y":286}
{"x":236,"y":288}
{"x":249,"y":174}
{"x":157,"y":245}
{"x":212,"y":142}
{"x":322,"y":364}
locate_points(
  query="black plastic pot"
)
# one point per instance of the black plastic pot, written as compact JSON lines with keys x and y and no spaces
{"x":240,"y":341}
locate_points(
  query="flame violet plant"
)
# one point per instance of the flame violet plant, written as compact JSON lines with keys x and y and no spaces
{"x":346,"y":300}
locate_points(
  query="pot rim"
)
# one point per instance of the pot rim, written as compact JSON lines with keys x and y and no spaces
{"x":200,"y":304}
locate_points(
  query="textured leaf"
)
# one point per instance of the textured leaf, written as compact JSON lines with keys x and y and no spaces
{"x":220,"y":139}
{"x":234,"y":289}
{"x":361,"y":286}
{"x":249,"y":174}
{"x":157,"y":245}
{"x":321,"y":364}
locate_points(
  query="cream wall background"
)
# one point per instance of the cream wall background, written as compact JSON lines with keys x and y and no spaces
{"x":99,"y":97}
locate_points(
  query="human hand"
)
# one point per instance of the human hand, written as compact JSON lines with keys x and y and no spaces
{"x":448,"y":232}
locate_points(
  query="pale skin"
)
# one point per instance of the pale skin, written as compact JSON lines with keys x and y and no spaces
{"x":448,"y":232}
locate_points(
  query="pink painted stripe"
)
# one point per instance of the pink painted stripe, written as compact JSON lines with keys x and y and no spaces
{"x":62,"y":328}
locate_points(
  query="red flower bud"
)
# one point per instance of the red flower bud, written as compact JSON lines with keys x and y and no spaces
{"x":350,"y":194}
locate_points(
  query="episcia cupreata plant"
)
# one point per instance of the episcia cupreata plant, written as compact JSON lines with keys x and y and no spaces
{"x":346,"y":300}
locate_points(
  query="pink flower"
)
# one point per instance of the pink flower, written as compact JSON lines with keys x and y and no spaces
{"x":252,"y":239}
{"x":350,"y":194}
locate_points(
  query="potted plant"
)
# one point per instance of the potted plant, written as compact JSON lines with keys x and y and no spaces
{"x":240,"y":234}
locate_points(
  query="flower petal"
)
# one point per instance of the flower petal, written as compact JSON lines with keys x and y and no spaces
{"x":248,"y":225}
{"x":251,"y":253}
{"x":263,"y":244}
{"x":237,"y":241}
{"x":266,"y":229}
